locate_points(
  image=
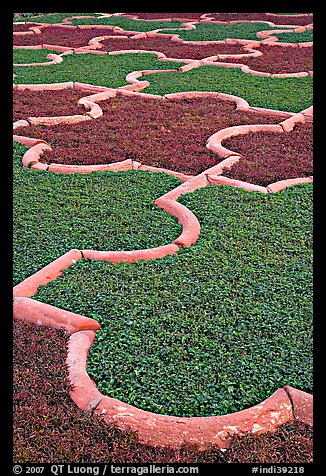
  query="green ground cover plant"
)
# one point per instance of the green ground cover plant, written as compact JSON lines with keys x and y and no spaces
{"x":216,"y":328}
{"x":127,"y":23}
{"x":215,"y":31}
{"x":103,"y":70}
{"x":273,"y":93}
{"x":50,"y":17}
{"x":303,"y":37}
{"x":22,"y":55}
{"x":62,"y":433}
{"x":54,"y":213}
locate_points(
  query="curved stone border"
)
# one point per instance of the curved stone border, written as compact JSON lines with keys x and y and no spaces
{"x":31,"y":157}
{"x":152,"y":428}
{"x":269,"y":37}
{"x":54,"y":59}
{"x":285,"y":405}
{"x":94,"y":45}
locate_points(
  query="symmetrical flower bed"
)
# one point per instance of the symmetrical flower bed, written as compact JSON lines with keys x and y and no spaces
{"x":46,"y":103}
{"x":305,"y":36}
{"x":64,"y":433}
{"x":127,"y":23}
{"x":281,"y":19}
{"x":231,"y":294}
{"x":185,"y":330}
{"x":55,"y":212}
{"x":172,"y":49}
{"x":24,"y":56}
{"x":103,"y":70}
{"x":173,"y":133}
{"x":53,"y":17}
{"x":273,"y":93}
{"x":271,"y":156}
{"x":216,"y":31}
{"x":279,"y":59}
{"x":55,"y":35}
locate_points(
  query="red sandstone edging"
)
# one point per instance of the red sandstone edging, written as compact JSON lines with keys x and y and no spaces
{"x":87,"y":169}
{"x":48,"y":121}
{"x":95,"y":43}
{"x":163,"y":430}
{"x":190,"y":224}
{"x":302,"y":405}
{"x":282,"y":184}
{"x":52,"y":271}
{"x":132,"y":256}
{"x":221,"y":180}
{"x":28,"y":141}
{"x":54,"y":59}
{"x":32,"y":155}
{"x":158,"y":429}
{"x":39,"y":313}
{"x":215,"y":140}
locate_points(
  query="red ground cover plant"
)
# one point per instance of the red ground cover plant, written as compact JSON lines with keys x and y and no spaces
{"x":172,"y":49}
{"x":49,"y":428}
{"x":54,"y":35}
{"x":169,"y":134}
{"x":46,"y":103}
{"x":24,"y":26}
{"x":272,"y":156}
{"x":279,"y":59}
{"x":276,"y":19}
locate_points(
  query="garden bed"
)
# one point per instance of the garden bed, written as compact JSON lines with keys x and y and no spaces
{"x":46,"y":103}
{"x":170,"y":134}
{"x":216,"y":31}
{"x":55,"y":35}
{"x":127,"y":23}
{"x":270,"y":156}
{"x":218,"y":319}
{"x":24,"y":27}
{"x":279,"y":59}
{"x":172,"y":49}
{"x":105,"y":211}
{"x":24,"y":56}
{"x":282,"y":19}
{"x":304,"y":37}
{"x":102,"y":70}
{"x":273,"y":93}
{"x":64,"y":433}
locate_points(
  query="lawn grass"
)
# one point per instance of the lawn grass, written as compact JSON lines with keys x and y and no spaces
{"x":215,"y":32}
{"x":216,"y":328}
{"x":54,"y":213}
{"x":103,"y":70}
{"x":273,"y":93}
